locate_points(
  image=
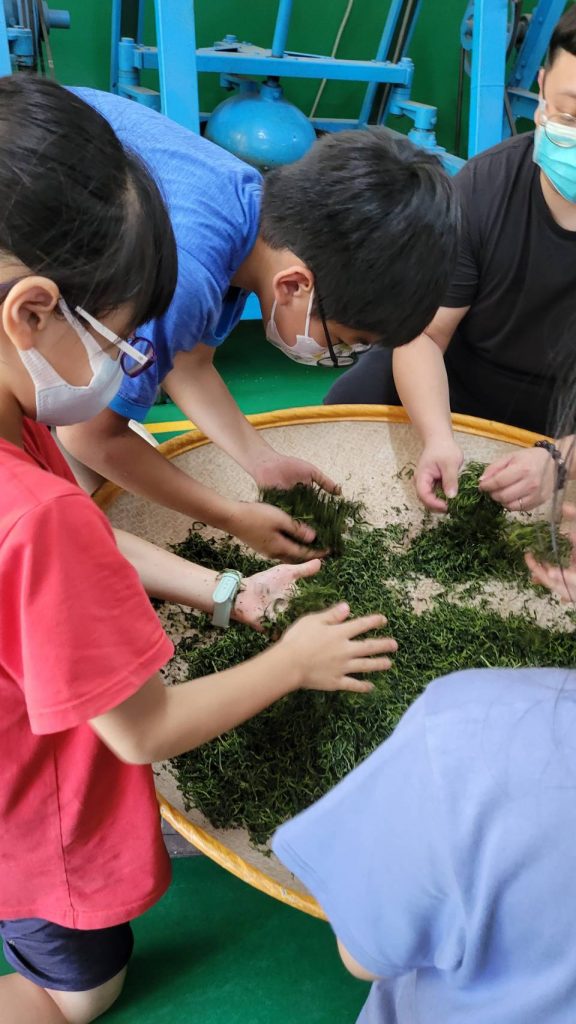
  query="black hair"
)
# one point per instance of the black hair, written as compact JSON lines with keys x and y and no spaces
{"x":79,"y":208}
{"x":376,"y":221}
{"x":563,"y":36}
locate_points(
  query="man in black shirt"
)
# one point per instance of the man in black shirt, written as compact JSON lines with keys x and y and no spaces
{"x":505,"y":338}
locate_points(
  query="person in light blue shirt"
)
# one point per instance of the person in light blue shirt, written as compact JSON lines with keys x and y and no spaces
{"x":446,"y":861}
{"x":350,"y":246}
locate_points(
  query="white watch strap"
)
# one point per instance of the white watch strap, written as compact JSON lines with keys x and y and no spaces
{"x":227,"y":588}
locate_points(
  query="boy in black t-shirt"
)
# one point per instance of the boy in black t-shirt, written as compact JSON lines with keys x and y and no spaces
{"x":504,"y":339}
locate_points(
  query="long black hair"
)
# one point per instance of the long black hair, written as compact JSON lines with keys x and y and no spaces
{"x":79,"y":208}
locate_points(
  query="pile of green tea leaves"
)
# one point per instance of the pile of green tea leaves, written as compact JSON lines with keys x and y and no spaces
{"x":256,"y":776}
{"x":331,"y":515}
{"x":477,"y":540}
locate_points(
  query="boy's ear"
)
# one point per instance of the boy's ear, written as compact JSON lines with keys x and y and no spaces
{"x":292,"y":282}
{"x":27,"y":308}
{"x":541,"y":76}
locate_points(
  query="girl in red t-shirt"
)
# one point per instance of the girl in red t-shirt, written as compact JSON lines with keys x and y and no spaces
{"x":87,"y":254}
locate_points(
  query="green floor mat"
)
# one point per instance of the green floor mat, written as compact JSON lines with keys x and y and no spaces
{"x":259,"y":377}
{"x":215,"y":951}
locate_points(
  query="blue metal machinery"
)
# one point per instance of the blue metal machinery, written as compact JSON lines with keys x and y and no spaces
{"x":179,"y":61}
{"x":499,"y":96}
{"x":23,"y":32}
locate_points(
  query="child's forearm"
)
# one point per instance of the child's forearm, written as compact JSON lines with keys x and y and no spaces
{"x":107,"y":445}
{"x":167,"y":576}
{"x":198,"y":389}
{"x":160,"y":722}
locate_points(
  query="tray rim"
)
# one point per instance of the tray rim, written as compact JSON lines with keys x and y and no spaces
{"x":105,"y":495}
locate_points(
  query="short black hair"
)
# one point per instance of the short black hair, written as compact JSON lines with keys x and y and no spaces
{"x":375,"y":219}
{"x":77,"y":206}
{"x":563,"y":36}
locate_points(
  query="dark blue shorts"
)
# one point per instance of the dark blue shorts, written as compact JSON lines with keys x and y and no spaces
{"x":65,"y":959}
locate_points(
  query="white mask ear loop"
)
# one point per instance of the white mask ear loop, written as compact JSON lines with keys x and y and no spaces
{"x":92,"y":347}
{"x":309,"y":314}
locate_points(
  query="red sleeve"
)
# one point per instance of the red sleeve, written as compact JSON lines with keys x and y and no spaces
{"x":80,"y":633}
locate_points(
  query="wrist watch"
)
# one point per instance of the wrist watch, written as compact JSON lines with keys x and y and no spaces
{"x":227,"y":587}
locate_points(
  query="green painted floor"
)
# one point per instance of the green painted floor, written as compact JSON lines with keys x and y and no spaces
{"x":215,"y":951}
{"x":259,"y":377}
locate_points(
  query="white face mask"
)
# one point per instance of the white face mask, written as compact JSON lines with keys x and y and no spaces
{"x":60,"y":404}
{"x":307,"y":350}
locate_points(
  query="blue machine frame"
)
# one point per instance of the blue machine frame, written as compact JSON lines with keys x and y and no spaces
{"x":493,"y":88}
{"x":496,"y":96}
{"x":178,"y":62}
{"x":20,"y":32}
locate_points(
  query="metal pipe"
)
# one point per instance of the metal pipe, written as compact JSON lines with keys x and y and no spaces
{"x":5,"y":62}
{"x":381,"y":54}
{"x":459,"y":102}
{"x":140,"y":26}
{"x":488,"y":77}
{"x":401,"y":47}
{"x":281,"y":28}
{"x":116,"y":33}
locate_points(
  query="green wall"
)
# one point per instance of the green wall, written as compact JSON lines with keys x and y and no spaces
{"x":82,"y":54}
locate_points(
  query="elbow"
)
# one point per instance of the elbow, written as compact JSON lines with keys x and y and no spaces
{"x":74,"y":439}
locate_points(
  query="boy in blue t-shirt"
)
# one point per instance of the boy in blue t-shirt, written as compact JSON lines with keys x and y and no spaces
{"x":352,"y":245}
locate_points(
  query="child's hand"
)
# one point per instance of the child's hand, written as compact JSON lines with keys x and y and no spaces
{"x":264,"y":589}
{"x":327,"y":655}
{"x":284,"y":471}
{"x":273,"y":533}
{"x":561,"y":582}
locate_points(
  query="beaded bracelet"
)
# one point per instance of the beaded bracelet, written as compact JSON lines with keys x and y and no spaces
{"x":561,"y":468}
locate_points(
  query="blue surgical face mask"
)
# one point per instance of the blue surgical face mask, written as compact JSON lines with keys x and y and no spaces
{"x":558,"y":162}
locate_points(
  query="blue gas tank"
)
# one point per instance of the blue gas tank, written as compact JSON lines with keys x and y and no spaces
{"x":260,"y":126}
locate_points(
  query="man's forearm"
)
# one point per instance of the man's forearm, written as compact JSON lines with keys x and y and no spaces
{"x":422,"y":383}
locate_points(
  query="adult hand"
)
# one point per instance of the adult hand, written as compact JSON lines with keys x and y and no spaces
{"x":520,"y":481}
{"x":438,"y":467}
{"x":284,"y":471}
{"x":272,"y":532}
{"x":561,"y":582}
{"x":327,"y":654}
{"x":262,"y":591}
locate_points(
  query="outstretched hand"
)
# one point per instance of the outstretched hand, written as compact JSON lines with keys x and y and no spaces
{"x":327,"y":653}
{"x":262,"y":592}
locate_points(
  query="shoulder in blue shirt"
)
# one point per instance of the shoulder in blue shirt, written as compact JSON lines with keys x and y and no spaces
{"x":445,"y":862}
{"x":214,"y":203}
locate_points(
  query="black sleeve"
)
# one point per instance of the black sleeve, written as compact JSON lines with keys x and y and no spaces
{"x":464,"y":284}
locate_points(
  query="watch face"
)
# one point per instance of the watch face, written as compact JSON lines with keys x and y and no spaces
{"x":226,"y":589}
